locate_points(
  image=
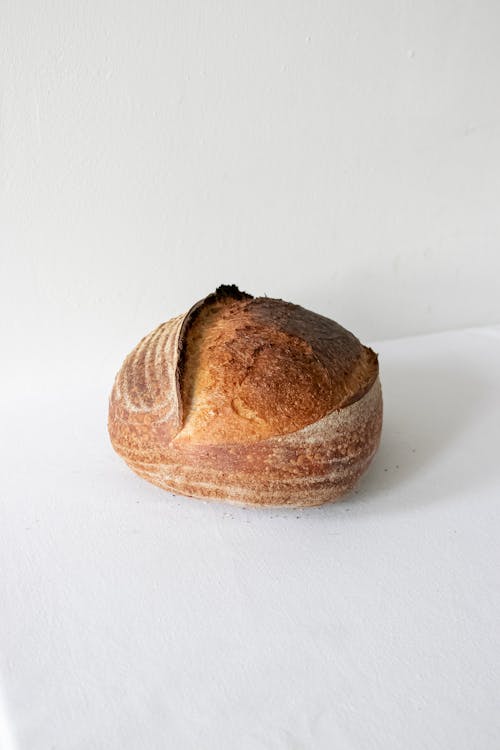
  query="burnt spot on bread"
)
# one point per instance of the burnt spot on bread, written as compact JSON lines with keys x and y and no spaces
{"x":226,"y":291}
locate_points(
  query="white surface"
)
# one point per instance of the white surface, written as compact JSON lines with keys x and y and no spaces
{"x":134,"y":620}
{"x":342,"y":155}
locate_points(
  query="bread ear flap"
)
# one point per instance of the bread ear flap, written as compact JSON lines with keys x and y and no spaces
{"x":223,"y":292}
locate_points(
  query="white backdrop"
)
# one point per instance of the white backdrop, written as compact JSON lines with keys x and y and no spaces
{"x":342,"y":155}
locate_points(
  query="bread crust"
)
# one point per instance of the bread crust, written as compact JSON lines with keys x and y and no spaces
{"x":250,"y":400}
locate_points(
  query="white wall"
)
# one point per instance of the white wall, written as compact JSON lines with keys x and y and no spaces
{"x":343,"y":155}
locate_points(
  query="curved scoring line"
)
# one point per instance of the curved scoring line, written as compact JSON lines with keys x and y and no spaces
{"x":167,"y":365}
{"x":153,"y":366}
{"x":129,"y":368}
{"x":139,"y":366}
{"x":171,"y":472}
{"x":155,"y":417}
{"x":170,"y":482}
{"x":153,"y":340}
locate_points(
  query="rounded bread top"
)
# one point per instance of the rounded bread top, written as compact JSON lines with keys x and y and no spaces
{"x":254,"y":368}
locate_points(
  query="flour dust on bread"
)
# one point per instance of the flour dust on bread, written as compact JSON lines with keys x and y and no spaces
{"x":251,"y":400}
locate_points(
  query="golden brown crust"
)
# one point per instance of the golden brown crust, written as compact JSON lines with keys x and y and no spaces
{"x":255,"y":368}
{"x":249,"y":399}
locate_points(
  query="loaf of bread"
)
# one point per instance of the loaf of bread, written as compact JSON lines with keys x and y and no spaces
{"x":251,"y":400}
